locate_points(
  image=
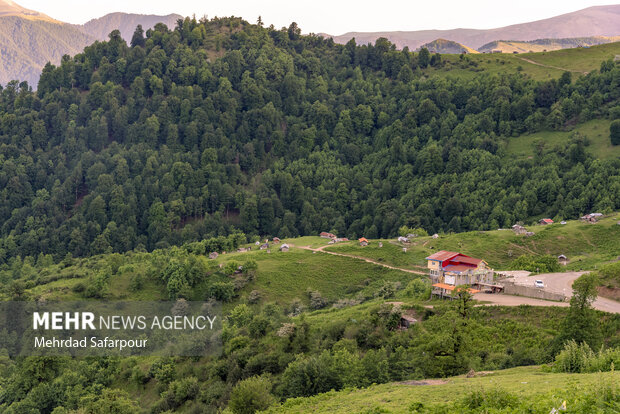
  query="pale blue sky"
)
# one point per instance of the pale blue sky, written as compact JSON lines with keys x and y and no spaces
{"x":330,"y":16}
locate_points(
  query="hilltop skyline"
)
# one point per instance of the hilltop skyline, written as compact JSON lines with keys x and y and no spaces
{"x":344,"y":16}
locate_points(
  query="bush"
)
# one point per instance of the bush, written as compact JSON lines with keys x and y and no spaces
{"x":223,"y":291}
{"x":483,"y":400}
{"x":536,"y":264}
{"x":316,"y":300}
{"x":581,"y":358}
{"x":418,"y":289}
{"x":251,"y":395}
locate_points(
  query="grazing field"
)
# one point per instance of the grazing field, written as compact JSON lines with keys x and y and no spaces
{"x":282,"y":277}
{"x":596,"y":133}
{"x":544,"y":391}
{"x":586,"y":245}
{"x":577,"y":59}
{"x":538,"y":66}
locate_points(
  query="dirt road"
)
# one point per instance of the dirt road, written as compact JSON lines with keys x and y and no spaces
{"x":320,"y":249}
{"x":549,"y":66}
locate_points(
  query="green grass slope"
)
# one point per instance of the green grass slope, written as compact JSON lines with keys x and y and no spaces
{"x":280,"y":277}
{"x":586,"y":245}
{"x":596,"y":133}
{"x":543,"y":391}
{"x":538,"y":66}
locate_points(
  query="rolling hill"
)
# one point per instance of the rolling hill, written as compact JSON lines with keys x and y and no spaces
{"x":448,"y":47}
{"x":593,"y":21}
{"x":544,"y":45}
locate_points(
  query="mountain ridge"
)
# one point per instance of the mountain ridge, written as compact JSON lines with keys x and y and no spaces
{"x":29,"y":39}
{"x":591,"y":21}
{"x":100,"y":27}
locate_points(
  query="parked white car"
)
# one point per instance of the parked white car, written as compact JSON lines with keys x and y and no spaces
{"x":539,"y":284}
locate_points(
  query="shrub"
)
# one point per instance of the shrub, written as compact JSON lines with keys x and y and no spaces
{"x":251,"y":395}
{"x":536,"y":264}
{"x":223,"y":291}
{"x":580,"y":358}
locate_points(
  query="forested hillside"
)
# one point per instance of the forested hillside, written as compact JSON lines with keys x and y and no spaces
{"x":211,"y":126}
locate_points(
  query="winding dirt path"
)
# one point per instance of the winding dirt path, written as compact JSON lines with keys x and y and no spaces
{"x":320,"y":249}
{"x":550,"y":66}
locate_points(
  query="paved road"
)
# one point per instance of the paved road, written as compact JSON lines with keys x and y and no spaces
{"x":554,"y":282}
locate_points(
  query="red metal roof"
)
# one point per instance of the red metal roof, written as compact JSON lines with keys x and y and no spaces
{"x":442,"y":255}
{"x":461,"y":258}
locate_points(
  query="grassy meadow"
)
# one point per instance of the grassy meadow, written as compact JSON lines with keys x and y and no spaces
{"x":554,"y":63}
{"x":586,"y":245}
{"x":548,"y":390}
{"x":596,"y":132}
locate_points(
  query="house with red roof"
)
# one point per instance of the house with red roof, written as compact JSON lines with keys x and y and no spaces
{"x":545,"y":221}
{"x":451,"y":269}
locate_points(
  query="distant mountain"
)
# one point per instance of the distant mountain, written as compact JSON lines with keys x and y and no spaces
{"x":593,"y":21}
{"x":100,"y":28}
{"x":542,"y":45}
{"x":10,"y":8}
{"x":29,"y":39}
{"x":448,"y":47}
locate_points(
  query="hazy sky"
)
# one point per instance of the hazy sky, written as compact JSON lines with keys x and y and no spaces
{"x":330,"y":16}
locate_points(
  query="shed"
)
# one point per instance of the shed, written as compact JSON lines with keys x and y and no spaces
{"x":276,"y":240}
{"x":284,"y":248}
{"x":545,"y":221}
{"x":406,"y":321}
{"x":363,"y":241}
{"x":213,"y":255}
{"x":563,"y":260}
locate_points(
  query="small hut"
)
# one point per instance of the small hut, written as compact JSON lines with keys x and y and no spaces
{"x":276,"y":240}
{"x":406,"y":321}
{"x":213,"y":255}
{"x":284,"y":248}
{"x":563,"y":260}
{"x":363,"y":241}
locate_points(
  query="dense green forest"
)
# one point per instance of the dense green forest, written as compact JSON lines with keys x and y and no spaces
{"x":220,"y":125}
